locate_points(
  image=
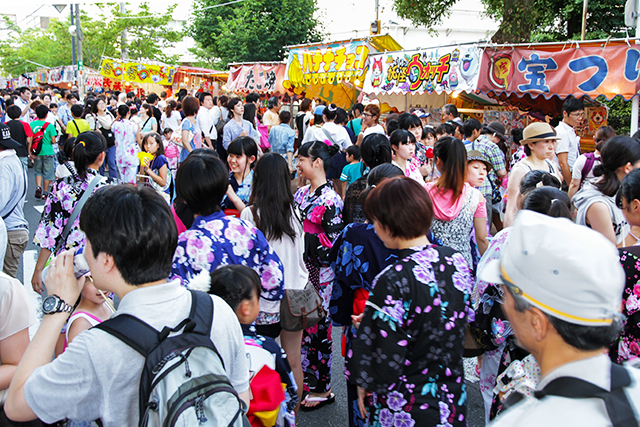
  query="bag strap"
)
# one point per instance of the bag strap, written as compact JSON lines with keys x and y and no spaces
{"x":76,"y":211}
{"x":588,"y":165}
{"x":620,"y":411}
{"x":143,"y":338}
{"x":326,"y":132}
{"x":76,"y":125}
{"x":145,"y":123}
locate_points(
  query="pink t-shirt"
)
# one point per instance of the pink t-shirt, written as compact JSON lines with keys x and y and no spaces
{"x":445,"y":208}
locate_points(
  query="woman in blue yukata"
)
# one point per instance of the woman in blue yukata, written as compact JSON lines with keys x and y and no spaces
{"x":215,"y":239}
{"x":320,"y":209}
{"x":407,"y":356}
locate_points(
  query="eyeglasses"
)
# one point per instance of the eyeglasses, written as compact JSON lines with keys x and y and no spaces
{"x":577,"y":114}
{"x":368,"y":115}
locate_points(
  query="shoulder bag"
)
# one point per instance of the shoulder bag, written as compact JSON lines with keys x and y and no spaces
{"x":301,"y":308}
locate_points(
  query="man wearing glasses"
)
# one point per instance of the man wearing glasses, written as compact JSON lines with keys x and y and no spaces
{"x":568,"y":148}
{"x":563,"y":287}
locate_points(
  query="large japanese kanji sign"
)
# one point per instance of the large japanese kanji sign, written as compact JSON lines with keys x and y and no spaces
{"x":261,"y":78}
{"x":593,"y":71}
{"x":137,"y":72}
{"x":438,"y":70}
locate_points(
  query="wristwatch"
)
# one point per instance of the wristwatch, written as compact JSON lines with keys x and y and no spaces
{"x":54,"y":304}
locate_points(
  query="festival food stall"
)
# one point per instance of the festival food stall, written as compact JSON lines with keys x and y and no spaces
{"x":334,"y":72}
{"x":539,"y":77}
{"x":200,"y":80}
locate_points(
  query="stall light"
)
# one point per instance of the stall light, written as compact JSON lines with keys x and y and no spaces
{"x":455,"y":94}
{"x":186,"y":79}
{"x":224,"y":87}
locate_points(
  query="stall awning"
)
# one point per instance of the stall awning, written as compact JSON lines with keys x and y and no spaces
{"x":546,"y":71}
{"x":205,"y":72}
{"x":332,"y":71}
{"x":260,"y":77}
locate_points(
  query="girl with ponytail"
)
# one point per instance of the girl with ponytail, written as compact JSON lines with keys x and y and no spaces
{"x":88,"y":154}
{"x":320,"y":209}
{"x":375,"y":150}
{"x":596,"y":200}
{"x":458,"y":208}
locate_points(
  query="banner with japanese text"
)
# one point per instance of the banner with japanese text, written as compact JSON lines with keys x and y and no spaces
{"x":331,"y":71}
{"x":578,"y":71}
{"x":261,"y":78}
{"x":445,"y":69}
{"x":137,"y":72}
{"x":64,"y":74}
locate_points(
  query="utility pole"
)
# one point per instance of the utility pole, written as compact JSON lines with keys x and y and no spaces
{"x":73,"y":42}
{"x":585,"y":7}
{"x":80,"y":62}
{"x":124,"y":54}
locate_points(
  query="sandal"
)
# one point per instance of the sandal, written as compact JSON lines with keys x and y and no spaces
{"x":38,"y":193}
{"x":322,"y":401}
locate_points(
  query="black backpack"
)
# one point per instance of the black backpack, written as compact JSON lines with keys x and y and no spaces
{"x":183,"y":381}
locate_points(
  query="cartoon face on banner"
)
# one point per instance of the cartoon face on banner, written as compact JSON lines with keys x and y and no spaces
{"x":376,"y":73}
{"x":499,"y":70}
{"x":469,"y":64}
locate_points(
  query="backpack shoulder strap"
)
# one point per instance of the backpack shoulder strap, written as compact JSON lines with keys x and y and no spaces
{"x":133,"y":332}
{"x":619,"y":409}
{"x":588,"y":165}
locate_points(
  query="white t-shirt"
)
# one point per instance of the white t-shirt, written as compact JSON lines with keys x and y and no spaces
{"x":374,"y":129}
{"x":338,"y":133}
{"x":98,"y":375}
{"x":205,"y":122}
{"x":290,"y":252}
{"x":172,"y":122}
{"x":26,"y":117}
{"x":569,"y":143}
{"x":576,"y":173}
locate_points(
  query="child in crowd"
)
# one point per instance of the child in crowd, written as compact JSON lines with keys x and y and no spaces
{"x":157,"y":168}
{"x":403,"y":144}
{"x":76,"y":126}
{"x":477,"y":168}
{"x":171,"y":149}
{"x":67,"y":168}
{"x":239,"y":286}
{"x":282,"y":138}
{"x":242,"y":155}
{"x":353,"y":170}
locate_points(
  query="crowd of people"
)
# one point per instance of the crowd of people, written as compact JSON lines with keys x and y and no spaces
{"x":424,"y":243}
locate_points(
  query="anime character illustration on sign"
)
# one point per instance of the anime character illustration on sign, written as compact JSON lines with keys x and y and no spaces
{"x":469,"y":65}
{"x":500,"y":70}
{"x":376,"y":72}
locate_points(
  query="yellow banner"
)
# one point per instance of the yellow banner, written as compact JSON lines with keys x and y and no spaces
{"x":137,"y":72}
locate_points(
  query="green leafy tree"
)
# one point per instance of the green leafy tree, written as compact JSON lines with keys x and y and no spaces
{"x":253,"y":30}
{"x":529,"y":20}
{"x":147,"y":38}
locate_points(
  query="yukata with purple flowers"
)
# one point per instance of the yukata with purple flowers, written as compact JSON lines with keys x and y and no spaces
{"x":65,"y":193}
{"x":321,"y":213}
{"x":410,"y":342}
{"x":217,"y":240}
{"x":125,"y":133}
{"x":627,"y":345}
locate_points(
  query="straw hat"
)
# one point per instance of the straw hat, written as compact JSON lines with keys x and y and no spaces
{"x":538,"y":132}
{"x":476,"y":155}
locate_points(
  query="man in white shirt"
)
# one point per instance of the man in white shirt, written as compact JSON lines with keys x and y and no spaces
{"x":568,"y":147}
{"x":24,"y":102}
{"x":98,"y":375}
{"x":369,"y":123}
{"x":563,"y":286}
{"x":450,"y":113}
{"x":206,"y":120}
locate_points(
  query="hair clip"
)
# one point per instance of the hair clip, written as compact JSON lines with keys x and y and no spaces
{"x":332,"y":109}
{"x":539,"y":184}
{"x":553,"y":201}
{"x":82,"y":142}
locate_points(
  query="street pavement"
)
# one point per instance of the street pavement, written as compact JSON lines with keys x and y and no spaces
{"x":334,"y":415}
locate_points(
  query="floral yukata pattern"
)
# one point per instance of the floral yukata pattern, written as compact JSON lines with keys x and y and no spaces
{"x":627,"y":345}
{"x":217,"y":240}
{"x":65,"y":193}
{"x":321,"y":213}
{"x":409,"y":347}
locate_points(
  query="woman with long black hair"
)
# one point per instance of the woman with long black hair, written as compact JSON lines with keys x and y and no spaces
{"x":271,"y":209}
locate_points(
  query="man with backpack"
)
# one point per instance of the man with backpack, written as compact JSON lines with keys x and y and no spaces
{"x":563,"y":286}
{"x":21,"y":132}
{"x":160,"y":333}
{"x":42,"y":153}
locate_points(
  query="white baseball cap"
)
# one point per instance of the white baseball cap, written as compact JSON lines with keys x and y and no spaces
{"x":566,"y":270}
